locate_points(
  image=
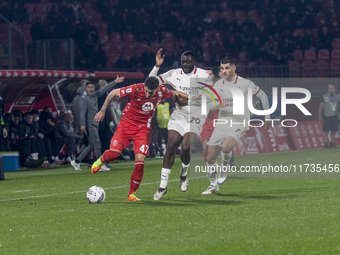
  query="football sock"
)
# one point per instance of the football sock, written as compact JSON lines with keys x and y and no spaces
{"x":110,"y":155}
{"x":137,"y":176}
{"x":184,"y":169}
{"x":226,"y":158}
{"x":165,"y":176}
{"x":212,"y":173}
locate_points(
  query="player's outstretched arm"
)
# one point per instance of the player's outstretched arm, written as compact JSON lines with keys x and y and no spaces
{"x":110,"y":97}
{"x":181,"y":98}
{"x":180,"y":94}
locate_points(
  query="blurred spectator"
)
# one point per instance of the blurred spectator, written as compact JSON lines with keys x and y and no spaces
{"x":20,"y":140}
{"x":329,"y":114}
{"x":66,"y":135}
{"x":46,"y":128}
{"x":76,"y":103}
{"x":38,"y":30}
{"x":104,"y":129}
{"x":3,"y":129}
{"x":88,"y":109}
{"x":39,"y":136}
{"x":271,"y":48}
{"x":99,"y":58}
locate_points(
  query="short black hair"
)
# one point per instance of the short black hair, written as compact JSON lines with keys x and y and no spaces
{"x":88,"y":82}
{"x":228,"y":60}
{"x":189,"y":53}
{"x":152,"y":83}
{"x":209,"y":68}
{"x":18,"y":113}
{"x":34,"y":112}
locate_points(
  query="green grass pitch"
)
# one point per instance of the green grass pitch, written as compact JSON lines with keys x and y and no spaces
{"x":46,"y":211}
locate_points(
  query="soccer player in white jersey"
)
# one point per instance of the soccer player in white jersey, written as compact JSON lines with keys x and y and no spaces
{"x":226,"y":136}
{"x":179,"y":126}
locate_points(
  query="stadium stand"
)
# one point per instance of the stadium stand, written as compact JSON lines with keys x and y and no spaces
{"x":214,"y":27}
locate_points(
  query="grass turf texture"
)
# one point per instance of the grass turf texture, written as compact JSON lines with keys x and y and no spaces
{"x":49,"y":213}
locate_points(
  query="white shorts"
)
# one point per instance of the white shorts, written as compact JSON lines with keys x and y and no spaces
{"x":222,"y":131}
{"x":183,"y":123}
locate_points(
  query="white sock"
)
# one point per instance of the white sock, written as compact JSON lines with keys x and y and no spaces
{"x":165,"y":176}
{"x":212,"y":173}
{"x":226,"y":158}
{"x":184,"y":169}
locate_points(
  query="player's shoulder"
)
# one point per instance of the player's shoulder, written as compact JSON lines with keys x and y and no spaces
{"x":132,"y":88}
{"x":242,"y":79}
{"x":220,"y":82}
{"x":163,"y":89}
{"x":245,"y":81}
{"x":175,"y":71}
{"x":202,"y":72}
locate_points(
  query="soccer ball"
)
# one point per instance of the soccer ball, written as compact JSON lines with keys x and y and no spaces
{"x":95,"y":194}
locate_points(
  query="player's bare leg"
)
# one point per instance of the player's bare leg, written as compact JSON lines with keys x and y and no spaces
{"x":325,"y":138}
{"x":226,"y":154}
{"x":213,"y":152}
{"x":136,"y":176}
{"x":174,"y":139}
{"x":205,"y":149}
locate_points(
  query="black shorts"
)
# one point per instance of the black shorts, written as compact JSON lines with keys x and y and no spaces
{"x":331,"y":123}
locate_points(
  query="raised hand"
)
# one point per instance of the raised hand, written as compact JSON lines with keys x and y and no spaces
{"x":159,"y":57}
{"x":119,"y":79}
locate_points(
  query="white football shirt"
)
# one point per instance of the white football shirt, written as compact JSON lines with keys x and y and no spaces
{"x":186,"y":83}
{"x":243,"y":84}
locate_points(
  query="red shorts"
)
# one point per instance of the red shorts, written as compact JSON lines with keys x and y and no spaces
{"x":207,"y":130}
{"x":125,"y":133}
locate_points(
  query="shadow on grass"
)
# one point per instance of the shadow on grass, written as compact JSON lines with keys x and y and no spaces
{"x":178,"y":203}
{"x":260,"y":197}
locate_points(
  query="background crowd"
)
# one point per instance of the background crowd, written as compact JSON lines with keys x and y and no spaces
{"x":125,"y":34}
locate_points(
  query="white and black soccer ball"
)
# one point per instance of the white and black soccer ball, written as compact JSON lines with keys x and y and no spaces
{"x":95,"y":194}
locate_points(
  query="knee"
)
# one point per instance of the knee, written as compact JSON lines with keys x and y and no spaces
{"x":211,"y":159}
{"x":227,"y":149}
{"x":171,"y":147}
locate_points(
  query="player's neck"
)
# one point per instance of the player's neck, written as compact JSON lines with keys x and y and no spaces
{"x":232,"y":78}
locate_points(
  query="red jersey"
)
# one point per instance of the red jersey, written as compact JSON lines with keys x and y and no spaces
{"x":139,"y":109}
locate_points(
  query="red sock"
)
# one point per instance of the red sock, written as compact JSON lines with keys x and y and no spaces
{"x":109,"y":156}
{"x":137,"y":176}
{"x":205,"y":156}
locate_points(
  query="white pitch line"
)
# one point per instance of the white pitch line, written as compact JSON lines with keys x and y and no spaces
{"x":18,"y":191}
{"x":81,"y":191}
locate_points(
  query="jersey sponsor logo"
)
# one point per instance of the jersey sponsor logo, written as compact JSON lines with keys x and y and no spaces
{"x":123,"y":91}
{"x":128,"y":90}
{"x":148,"y":106}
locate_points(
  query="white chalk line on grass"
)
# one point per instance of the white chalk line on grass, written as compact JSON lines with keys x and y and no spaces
{"x":81,"y":191}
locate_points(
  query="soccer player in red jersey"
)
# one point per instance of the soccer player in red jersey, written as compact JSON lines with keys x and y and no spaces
{"x":135,"y":125}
